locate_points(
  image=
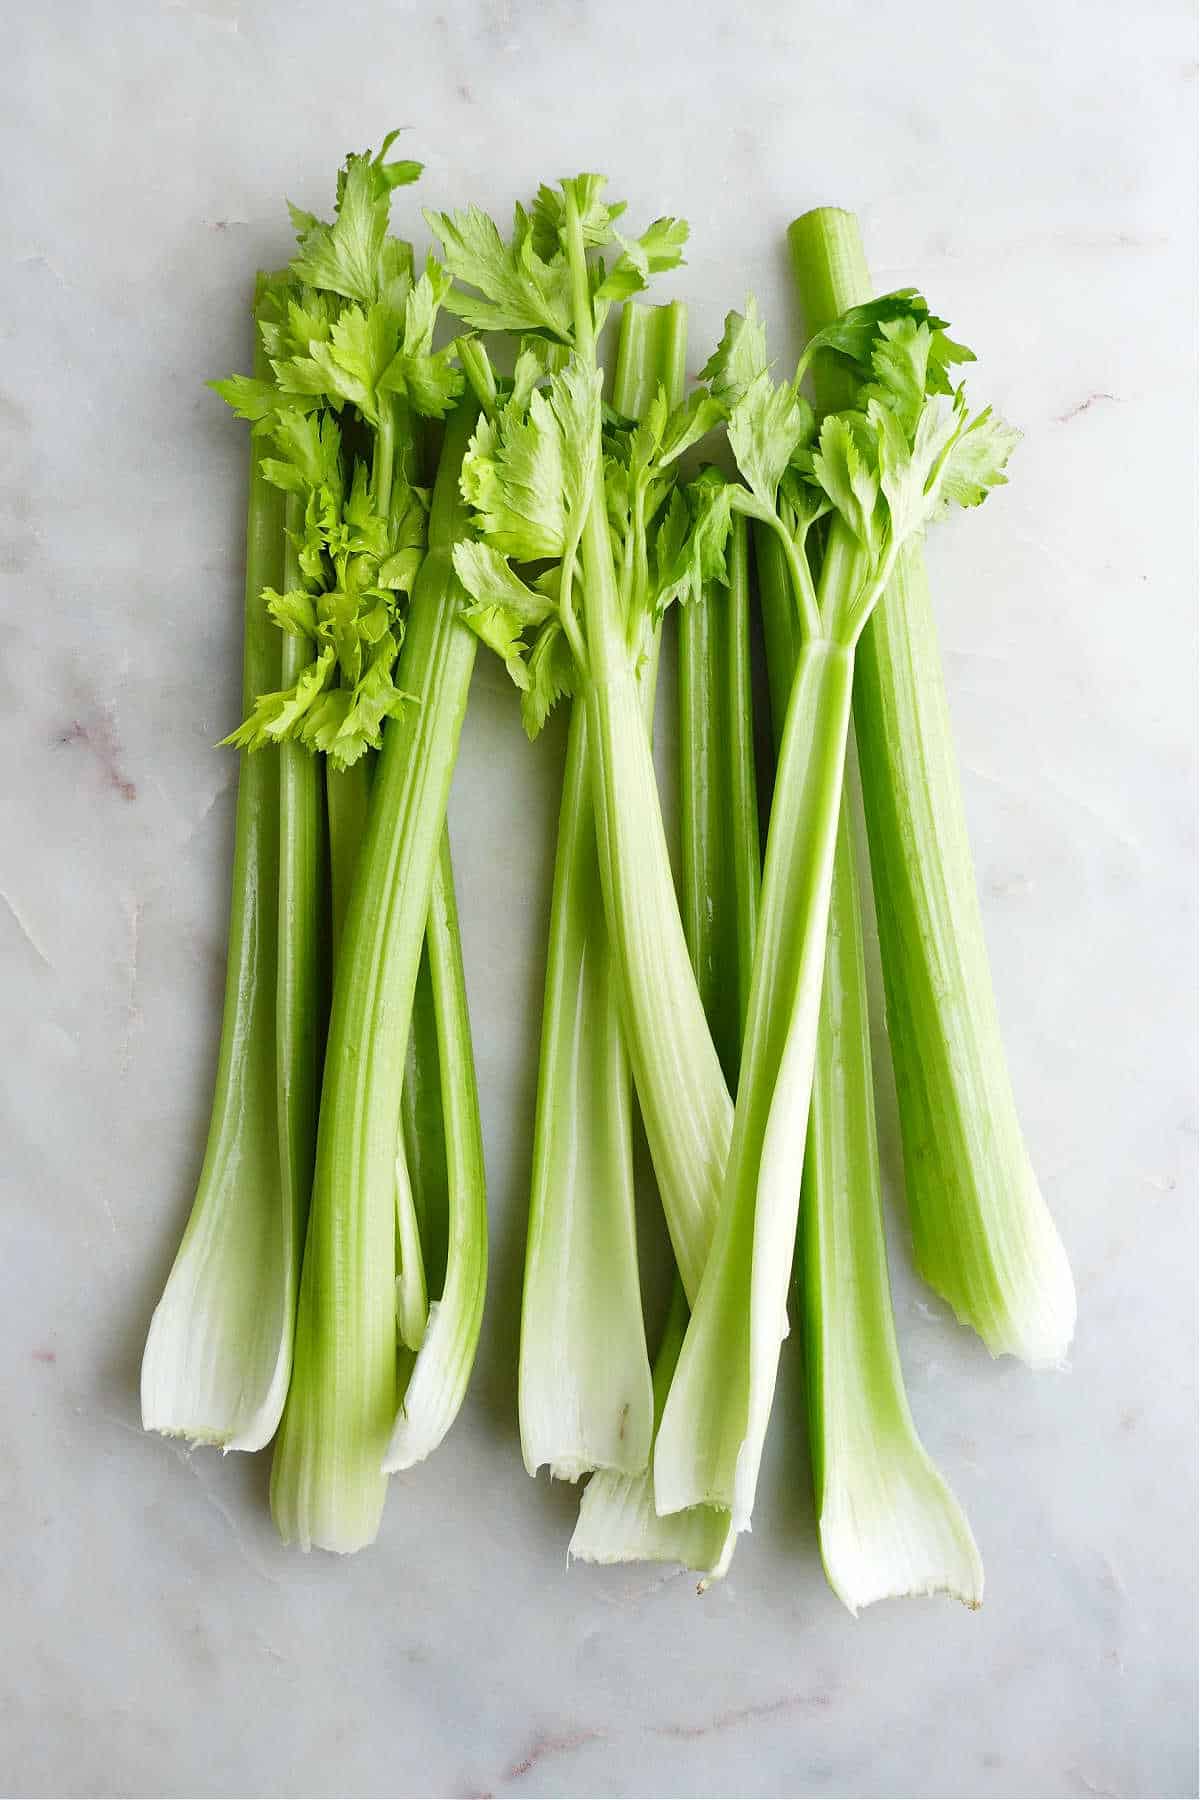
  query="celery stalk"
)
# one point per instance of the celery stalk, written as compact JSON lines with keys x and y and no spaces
{"x":327,"y":1484}
{"x":983,"y":1236}
{"x":438,"y":1382}
{"x":720,"y":883}
{"x":301,"y":1000}
{"x":718,"y":802}
{"x":348,"y":795}
{"x":681,"y":1091}
{"x":219,"y":1351}
{"x":714,"y":1424}
{"x":887,"y":1522}
{"x":585,"y":1394}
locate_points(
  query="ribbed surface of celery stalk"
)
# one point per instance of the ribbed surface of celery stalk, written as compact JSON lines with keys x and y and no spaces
{"x":984,"y":1238}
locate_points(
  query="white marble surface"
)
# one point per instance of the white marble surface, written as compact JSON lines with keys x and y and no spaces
{"x":1032,"y":167}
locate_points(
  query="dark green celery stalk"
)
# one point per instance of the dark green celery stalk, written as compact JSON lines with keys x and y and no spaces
{"x":585,"y":1397}
{"x":886,"y":1520}
{"x":327,"y":1484}
{"x":721,"y":873}
{"x":983,"y":1235}
{"x":301,"y":978}
{"x":219,"y":1351}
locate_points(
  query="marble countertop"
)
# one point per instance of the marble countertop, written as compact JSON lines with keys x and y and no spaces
{"x":1032,"y":167}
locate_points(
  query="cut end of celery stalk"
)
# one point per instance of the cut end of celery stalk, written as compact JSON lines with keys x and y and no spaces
{"x":618,"y":1524}
{"x":325,"y":1494}
{"x":213,"y":1371}
{"x":617,"y":1521}
{"x":1023,"y":1302}
{"x":436,"y":1387}
{"x":898,"y":1531}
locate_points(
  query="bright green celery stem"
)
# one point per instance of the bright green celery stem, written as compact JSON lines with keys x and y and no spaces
{"x":347,"y":796}
{"x":983,"y":1235}
{"x":219,"y":1351}
{"x":721,"y":865}
{"x":300,"y":987}
{"x":348,"y":793}
{"x":714,"y":1427}
{"x":887,"y":1522}
{"x":327,"y":1483}
{"x":685,"y":1106}
{"x":718,"y":801}
{"x":584,"y":1392}
{"x":438,"y":1383}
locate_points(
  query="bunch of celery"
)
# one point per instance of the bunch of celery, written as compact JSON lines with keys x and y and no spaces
{"x":560,"y":490}
{"x":372,"y":668}
{"x":559,"y":528}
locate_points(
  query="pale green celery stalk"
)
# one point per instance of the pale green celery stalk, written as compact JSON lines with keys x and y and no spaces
{"x":684,"y":1102}
{"x":219,"y":1352}
{"x":327,"y":1482}
{"x":301,"y":986}
{"x":585,"y":1397}
{"x":888,"y":1524}
{"x":721,"y":874}
{"x":983,"y":1235}
{"x":446,"y":1354}
{"x":714,"y":1425}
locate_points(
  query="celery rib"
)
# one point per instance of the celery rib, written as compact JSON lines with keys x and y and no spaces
{"x":718,"y":802}
{"x":887,"y":1522}
{"x":300,"y":1002}
{"x":219,"y":1350}
{"x":328,"y":1485}
{"x":983,"y":1236}
{"x":438,"y":1382}
{"x":721,"y":868}
{"x":681,"y":1091}
{"x":714,"y":1424}
{"x":580,"y":1410}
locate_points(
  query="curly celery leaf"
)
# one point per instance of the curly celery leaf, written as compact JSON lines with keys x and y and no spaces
{"x":519,"y":290}
{"x":689,"y":548}
{"x":276,"y":717}
{"x":550,"y":668}
{"x":889,"y":474}
{"x":597,"y":217}
{"x":849,"y":483}
{"x":309,"y":447}
{"x":354,"y":256}
{"x":529,"y":475}
{"x":659,"y":248}
{"x":250,"y":397}
{"x":767,"y":426}
{"x":524,"y":286}
{"x":740,"y":357}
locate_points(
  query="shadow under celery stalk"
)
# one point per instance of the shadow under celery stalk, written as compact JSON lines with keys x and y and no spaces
{"x":328,"y":1485}
{"x":984,"y":1238}
{"x":586,"y":1400}
{"x":219,"y":1351}
{"x":721,"y":869}
{"x":888,"y":1524}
